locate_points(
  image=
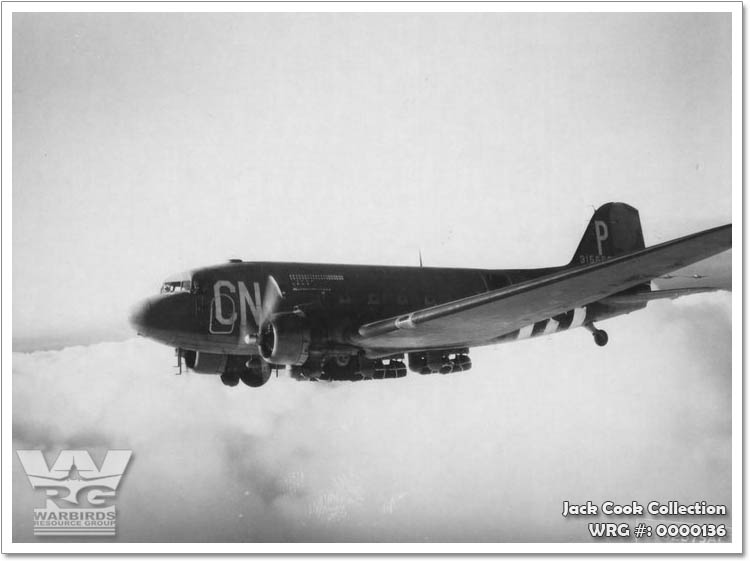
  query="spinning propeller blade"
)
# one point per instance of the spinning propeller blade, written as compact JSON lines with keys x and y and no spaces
{"x":269,"y":305}
{"x":271,"y":300}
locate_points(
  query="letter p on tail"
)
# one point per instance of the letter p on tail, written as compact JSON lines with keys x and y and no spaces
{"x":615,"y":229}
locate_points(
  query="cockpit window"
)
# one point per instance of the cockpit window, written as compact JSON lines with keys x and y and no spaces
{"x":175,"y":287}
{"x":177,"y":283}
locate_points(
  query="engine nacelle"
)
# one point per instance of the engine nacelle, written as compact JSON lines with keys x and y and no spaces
{"x":285,"y":340}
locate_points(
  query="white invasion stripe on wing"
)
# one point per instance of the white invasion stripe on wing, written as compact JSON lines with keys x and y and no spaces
{"x":525,"y":332}
{"x":552,"y":326}
{"x":579,"y":316}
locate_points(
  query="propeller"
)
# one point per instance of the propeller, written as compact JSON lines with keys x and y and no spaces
{"x":268,"y":306}
{"x":271,"y":300}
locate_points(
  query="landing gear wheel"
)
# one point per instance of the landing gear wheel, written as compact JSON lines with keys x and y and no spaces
{"x":251,"y":378}
{"x":230,"y":379}
{"x":255,"y":374}
{"x":600,"y":337}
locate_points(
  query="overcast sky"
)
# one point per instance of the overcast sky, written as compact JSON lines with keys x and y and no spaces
{"x":148,"y":144}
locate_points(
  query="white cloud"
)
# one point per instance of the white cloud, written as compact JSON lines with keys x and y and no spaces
{"x":487,"y":455}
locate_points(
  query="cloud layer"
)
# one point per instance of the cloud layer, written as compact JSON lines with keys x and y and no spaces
{"x":487,"y":455}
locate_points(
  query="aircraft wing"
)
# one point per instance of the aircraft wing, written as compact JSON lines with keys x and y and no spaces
{"x":485,"y":316}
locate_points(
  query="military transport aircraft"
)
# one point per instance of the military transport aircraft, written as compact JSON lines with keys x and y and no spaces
{"x":241,"y":320}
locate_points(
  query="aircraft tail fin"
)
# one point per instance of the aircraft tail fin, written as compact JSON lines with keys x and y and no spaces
{"x":615,"y":229}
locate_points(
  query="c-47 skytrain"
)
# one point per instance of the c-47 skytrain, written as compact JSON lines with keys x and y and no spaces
{"x":243,"y":320}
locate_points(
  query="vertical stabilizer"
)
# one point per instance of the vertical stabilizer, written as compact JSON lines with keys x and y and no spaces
{"x":615,"y":229}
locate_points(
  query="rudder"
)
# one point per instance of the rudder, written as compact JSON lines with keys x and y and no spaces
{"x":615,"y":229}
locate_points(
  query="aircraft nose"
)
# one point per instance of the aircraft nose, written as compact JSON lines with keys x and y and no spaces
{"x":164,"y":317}
{"x":139,"y":315}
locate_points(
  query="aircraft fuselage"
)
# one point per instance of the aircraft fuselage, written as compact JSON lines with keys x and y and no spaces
{"x":224,"y":304}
